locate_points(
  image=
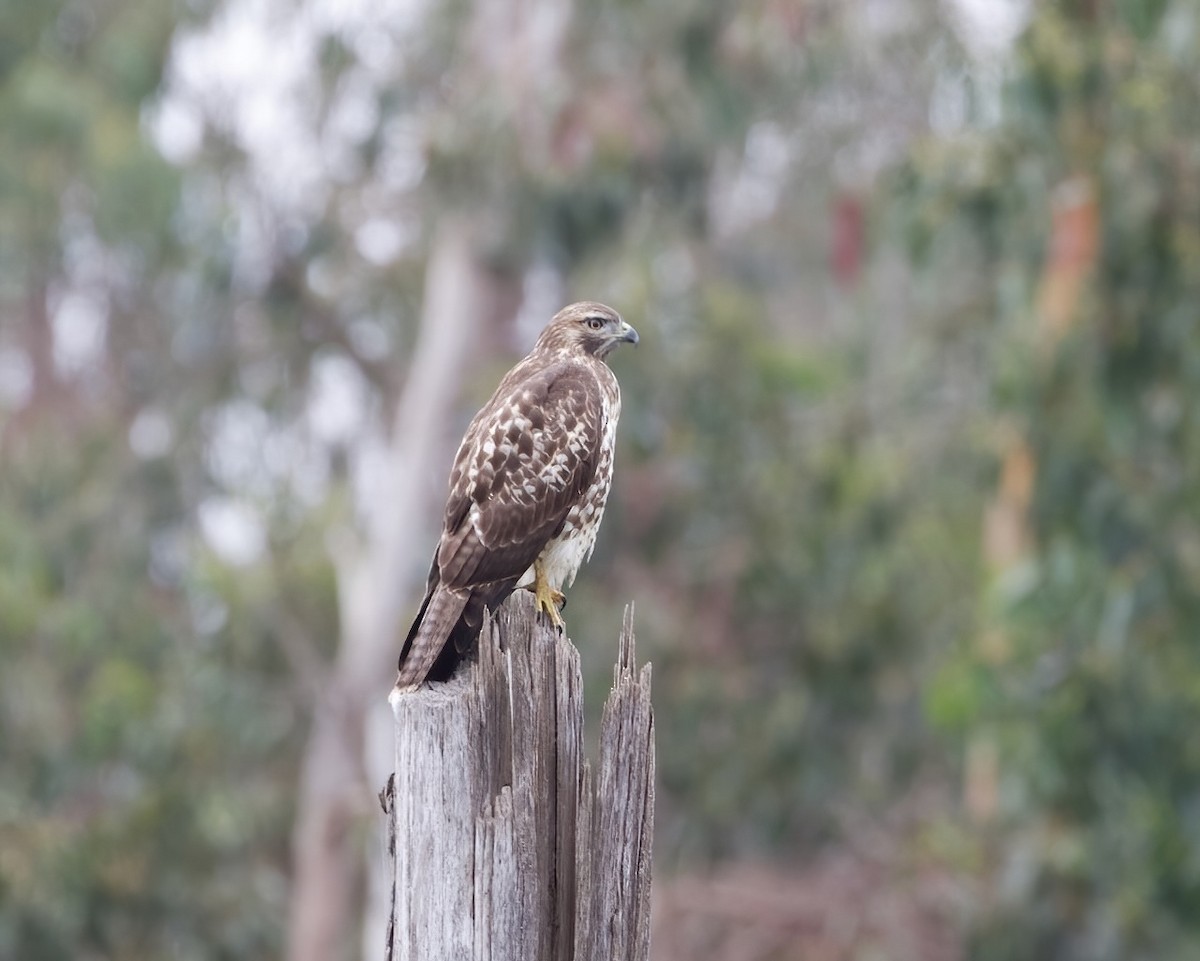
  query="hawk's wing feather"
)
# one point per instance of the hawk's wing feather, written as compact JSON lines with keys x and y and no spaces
{"x":439,"y":614}
{"x":527,"y":458}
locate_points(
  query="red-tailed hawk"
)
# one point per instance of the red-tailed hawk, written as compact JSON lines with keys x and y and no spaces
{"x":527,"y":489}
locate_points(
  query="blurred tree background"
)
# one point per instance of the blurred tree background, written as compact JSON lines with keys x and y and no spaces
{"x":908,"y":468}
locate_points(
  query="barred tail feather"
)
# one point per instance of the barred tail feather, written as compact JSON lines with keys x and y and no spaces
{"x":429,"y":634}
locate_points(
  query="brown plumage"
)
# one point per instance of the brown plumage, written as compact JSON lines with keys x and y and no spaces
{"x":527,"y":490}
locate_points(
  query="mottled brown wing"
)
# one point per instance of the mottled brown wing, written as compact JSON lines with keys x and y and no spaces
{"x":527,"y":458}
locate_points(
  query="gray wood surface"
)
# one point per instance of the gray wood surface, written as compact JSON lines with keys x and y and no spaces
{"x":504,"y":844}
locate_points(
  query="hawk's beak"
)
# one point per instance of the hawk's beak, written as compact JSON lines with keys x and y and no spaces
{"x":628,"y":334}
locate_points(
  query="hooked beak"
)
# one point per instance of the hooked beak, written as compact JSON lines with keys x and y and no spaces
{"x":628,"y":334}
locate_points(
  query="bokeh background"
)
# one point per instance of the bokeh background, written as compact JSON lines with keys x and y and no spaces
{"x":907,"y":488}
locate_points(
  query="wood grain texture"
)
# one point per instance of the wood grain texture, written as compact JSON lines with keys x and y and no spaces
{"x":506,"y":845}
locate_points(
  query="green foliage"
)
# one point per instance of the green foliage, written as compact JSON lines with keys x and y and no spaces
{"x":144,"y":761}
{"x":143,"y":773}
{"x":1097,"y":688}
{"x":809,"y":565}
{"x":69,"y":106}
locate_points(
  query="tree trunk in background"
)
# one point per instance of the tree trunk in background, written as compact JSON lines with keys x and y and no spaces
{"x":377,"y":579}
{"x":1007,"y":536}
{"x":349,"y":755}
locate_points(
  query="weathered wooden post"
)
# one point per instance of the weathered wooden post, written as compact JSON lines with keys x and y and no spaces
{"x":504,"y":844}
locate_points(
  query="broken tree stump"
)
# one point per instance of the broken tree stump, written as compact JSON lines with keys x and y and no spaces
{"x":505,"y":844}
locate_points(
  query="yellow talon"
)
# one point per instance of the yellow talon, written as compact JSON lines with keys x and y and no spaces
{"x":548,"y":599}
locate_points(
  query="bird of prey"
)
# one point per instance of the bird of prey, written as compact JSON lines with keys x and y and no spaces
{"x":527,"y":489}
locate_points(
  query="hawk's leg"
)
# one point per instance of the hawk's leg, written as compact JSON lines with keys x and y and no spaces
{"x":548,"y":599}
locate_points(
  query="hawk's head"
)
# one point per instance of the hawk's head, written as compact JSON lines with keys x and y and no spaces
{"x":588,"y":327}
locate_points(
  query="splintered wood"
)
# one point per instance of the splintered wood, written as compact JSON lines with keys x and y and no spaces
{"x":504,"y":844}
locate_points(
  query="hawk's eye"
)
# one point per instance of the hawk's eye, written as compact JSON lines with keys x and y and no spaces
{"x":595,"y":322}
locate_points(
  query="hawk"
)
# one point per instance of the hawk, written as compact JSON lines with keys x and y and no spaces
{"x":527,"y":489}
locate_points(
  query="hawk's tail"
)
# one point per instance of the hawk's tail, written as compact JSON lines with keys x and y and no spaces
{"x":429,"y":634}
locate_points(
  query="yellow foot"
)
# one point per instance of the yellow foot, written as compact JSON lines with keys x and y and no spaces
{"x":548,"y":599}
